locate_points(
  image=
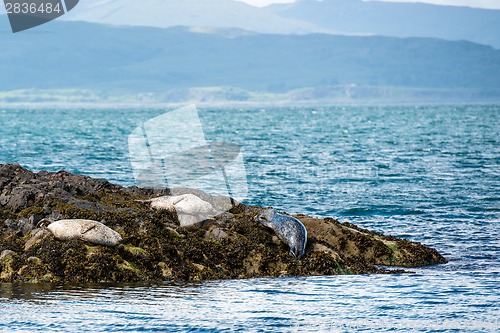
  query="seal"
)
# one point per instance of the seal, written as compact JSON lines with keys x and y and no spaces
{"x":290,"y":230}
{"x":190,"y":208}
{"x":86,"y":230}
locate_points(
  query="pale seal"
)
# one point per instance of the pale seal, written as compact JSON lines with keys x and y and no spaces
{"x":290,"y":230}
{"x":86,"y":230}
{"x":189,"y":207}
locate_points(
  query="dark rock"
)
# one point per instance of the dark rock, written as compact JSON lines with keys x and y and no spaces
{"x":34,"y":219}
{"x":155,"y":248}
{"x":19,"y":227}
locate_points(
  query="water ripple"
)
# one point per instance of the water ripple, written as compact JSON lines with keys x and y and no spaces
{"x":426,"y":173}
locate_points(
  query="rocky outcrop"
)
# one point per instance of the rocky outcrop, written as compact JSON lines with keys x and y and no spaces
{"x":156,"y":248}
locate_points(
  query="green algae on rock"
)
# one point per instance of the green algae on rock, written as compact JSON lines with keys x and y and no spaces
{"x":155,"y":248}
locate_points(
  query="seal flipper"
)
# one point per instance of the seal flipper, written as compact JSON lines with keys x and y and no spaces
{"x":86,"y":227}
{"x":296,"y":252}
{"x":143,"y":201}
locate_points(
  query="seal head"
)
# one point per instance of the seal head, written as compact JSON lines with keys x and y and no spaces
{"x":290,"y":230}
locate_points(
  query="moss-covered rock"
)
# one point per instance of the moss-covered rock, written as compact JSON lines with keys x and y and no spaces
{"x":156,"y":248}
{"x":9,"y":261}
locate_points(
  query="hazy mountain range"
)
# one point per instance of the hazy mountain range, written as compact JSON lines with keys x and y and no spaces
{"x":191,"y":13}
{"x":348,"y":17}
{"x":131,"y":52}
{"x":165,"y":63}
{"x":397,"y":19}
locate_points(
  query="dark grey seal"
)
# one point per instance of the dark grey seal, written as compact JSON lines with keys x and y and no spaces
{"x":290,"y":230}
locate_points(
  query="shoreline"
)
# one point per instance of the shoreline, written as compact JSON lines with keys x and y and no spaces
{"x":228,"y":105}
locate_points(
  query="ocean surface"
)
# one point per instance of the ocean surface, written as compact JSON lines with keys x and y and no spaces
{"x":430,"y":174}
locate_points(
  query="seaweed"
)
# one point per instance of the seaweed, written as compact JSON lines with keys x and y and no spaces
{"x":155,"y":248}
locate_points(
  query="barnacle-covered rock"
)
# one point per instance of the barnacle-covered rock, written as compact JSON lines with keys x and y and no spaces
{"x":156,"y":248}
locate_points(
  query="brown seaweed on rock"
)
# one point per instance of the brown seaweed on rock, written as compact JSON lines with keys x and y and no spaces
{"x":155,"y":248}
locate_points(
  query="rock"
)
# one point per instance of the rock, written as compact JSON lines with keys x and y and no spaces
{"x":10,"y":225}
{"x":34,"y":261}
{"x":225,"y":217}
{"x":21,"y":187}
{"x":6,"y":254}
{"x":55,"y":216}
{"x":215,"y":232}
{"x":35,"y":271}
{"x":137,"y":252}
{"x":355,"y":243}
{"x":166,"y":272}
{"x":317,"y":247}
{"x":155,"y":248}
{"x":4,"y":199}
{"x":19,"y":227}
{"x":34,"y":219}
{"x":7,"y":265}
{"x":37,"y":236}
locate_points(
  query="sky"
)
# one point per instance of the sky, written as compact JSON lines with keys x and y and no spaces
{"x":494,"y":4}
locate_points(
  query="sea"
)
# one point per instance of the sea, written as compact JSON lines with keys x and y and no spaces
{"x":427,"y":173}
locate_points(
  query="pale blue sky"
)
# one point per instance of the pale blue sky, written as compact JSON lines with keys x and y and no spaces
{"x":471,"y":3}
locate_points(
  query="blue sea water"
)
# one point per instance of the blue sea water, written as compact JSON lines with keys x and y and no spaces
{"x":427,"y":173}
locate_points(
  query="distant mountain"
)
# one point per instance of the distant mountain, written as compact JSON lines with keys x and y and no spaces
{"x":192,"y":13}
{"x":114,"y":60}
{"x":397,"y":19}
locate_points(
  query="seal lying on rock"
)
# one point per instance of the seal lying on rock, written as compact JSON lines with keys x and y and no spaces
{"x":87,"y":230}
{"x":290,"y":230}
{"x":189,"y":207}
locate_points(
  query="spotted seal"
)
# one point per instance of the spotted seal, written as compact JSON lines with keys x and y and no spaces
{"x":190,"y":208}
{"x":87,"y":230}
{"x":290,"y":230}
